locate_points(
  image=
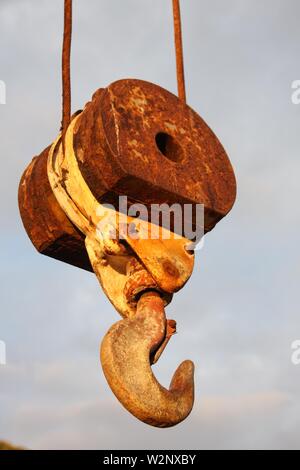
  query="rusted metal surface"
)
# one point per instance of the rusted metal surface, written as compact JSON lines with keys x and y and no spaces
{"x":118,"y":154}
{"x":155,"y":149}
{"x":135,"y":139}
{"x":125,"y":358}
{"x":66,"y":66}
{"x":47,"y":226}
{"x":179,"y":50}
{"x":138,"y":281}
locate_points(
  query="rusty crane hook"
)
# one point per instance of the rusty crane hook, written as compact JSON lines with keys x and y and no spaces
{"x":137,"y":139}
{"x":127,"y":351}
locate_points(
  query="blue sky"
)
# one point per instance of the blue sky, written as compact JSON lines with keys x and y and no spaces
{"x":239,"y":313}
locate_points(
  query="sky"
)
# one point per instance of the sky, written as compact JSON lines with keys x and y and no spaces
{"x":239,"y":313}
